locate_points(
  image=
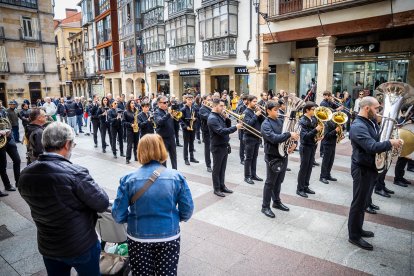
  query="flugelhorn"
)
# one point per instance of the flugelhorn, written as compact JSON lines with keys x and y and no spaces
{"x":339,"y":118}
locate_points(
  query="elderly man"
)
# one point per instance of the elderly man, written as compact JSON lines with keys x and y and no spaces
{"x":50,"y":108}
{"x":364,"y":136}
{"x":34,"y":133}
{"x":13,"y":117}
{"x":64,"y":201}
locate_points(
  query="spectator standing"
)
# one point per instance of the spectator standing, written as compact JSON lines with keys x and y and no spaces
{"x":14,"y":120}
{"x":70,"y":110}
{"x":50,"y":108}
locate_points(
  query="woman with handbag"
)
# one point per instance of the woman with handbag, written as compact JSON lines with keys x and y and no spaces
{"x":153,"y":200}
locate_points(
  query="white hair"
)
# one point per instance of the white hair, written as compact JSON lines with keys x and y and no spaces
{"x":56,"y":135}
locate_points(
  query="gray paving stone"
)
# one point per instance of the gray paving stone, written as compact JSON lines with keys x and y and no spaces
{"x":22,"y":245}
{"x":12,"y":219}
{"x":6,"y":269}
{"x":29,"y":265}
{"x":190,"y":266}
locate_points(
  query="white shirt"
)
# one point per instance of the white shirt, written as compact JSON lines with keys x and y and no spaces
{"x":50,"y":108}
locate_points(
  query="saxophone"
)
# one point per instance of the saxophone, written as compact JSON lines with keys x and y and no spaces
{"x":290,"y":123}
{"x":135,"y":126}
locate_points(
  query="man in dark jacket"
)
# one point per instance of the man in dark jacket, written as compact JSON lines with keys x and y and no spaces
{"x":14,"y":120}
{"x":241,"y":107}
{"x":329,"y":147}
{"x":187,"y":123}
{"x":94,"y":110}
{"x":203,"y":114}
{"x":79,"y":113}
{"x":64,"y":201}
{"x":34,"y":132}
{"x":364,"y":136}
{"x":70,"y":108}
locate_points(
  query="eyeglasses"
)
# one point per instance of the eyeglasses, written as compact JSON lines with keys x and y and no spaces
{"x":163,"y":102}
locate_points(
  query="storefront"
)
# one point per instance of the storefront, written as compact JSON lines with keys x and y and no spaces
{"x":242,"y":80}
{"x":272,"y":78}
{"x":357,"y":67}
{"x":163,"y":83}
{"x":190,"y":80}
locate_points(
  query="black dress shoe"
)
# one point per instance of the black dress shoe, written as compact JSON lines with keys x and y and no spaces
{"x":242,"y":162}
{"x":332,"y":178}
{"x":367,"y":234}
{"x":406,"y":181}
{"x":136,"y":158}
{"x":388,"y":191}
{"x":103,"y":150}
{"x":194,"y":160}
{"x":96,"y":145}
{"x":219,"y":193}
{"x":127,"y":162}
{"x":122,"y":154}
{"x":179,"y":145}
{"x":301,"y":193}
{"x":361,"y":243}
{"x":209,"y":169}
{"x":248,"y":180}
{"x":323,"y":180}
{"x":370,"y":210}
{"x":257,"y":178}
{"x":315,"y":164}
{"x":187,"y":162}
{"x":280,"y":206}
{"x":309,"y":191}
{"x":3,"y":194}
{"x":226,"y":190}
{"x":268,"y":212}
{"x":375,"y":207}
{"x":382,"y":193}
{"x":115,"y":155}
{"x":11,"y":189}
{"x":399,"y":183}
{"x":288,"y":169}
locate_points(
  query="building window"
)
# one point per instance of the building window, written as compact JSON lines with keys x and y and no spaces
{"x":153,"y":39}
{"x":151,"y":4}
{"x":105,"y":59}
{"x":155,"y":58}
{"x":104,"y":30}
{"x":103,"y":6}
{"x":4,"y":66}
{"x":153,"y":17}
{"x":22,"y":3}
{"x":86,"y":7}
{"x":129,"y":48}
{"x":177,"y":6}
{"x":180,"y":30}
{"x":29,"y":28}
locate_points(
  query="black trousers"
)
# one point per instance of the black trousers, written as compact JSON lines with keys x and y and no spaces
{"x":271,"y":189}
{"x":132,"y":143}
{"x":363,"y":180}
{"x":177,"y":132}
{"x":117,"y":132}
{"x":189,"y":137}
{"x":241,"y":151}
{"x":206,"y":139}
{"x":220,"y":155}
{"x":400,"y":168}
{"x":104,"y":128}
{"x":95,"y":127}
{"x":172,"y":151}
{"x":410,"y":165}
{"x":379,"y":184}
{"x":197,"y":129}
{"x":11,"y":149}
{"x":307,"y":156}
{"x":328,"y":160}
{"x":251,"y":148}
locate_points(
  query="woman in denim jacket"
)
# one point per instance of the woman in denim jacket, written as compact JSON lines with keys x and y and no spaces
{"x":153,"y":220}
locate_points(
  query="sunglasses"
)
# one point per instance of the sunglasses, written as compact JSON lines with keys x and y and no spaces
{"x":163,"y":102}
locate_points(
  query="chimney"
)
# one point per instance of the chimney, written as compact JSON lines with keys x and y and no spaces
{"x":70,"y":12}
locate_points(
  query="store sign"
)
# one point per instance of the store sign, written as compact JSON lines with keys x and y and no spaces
{"x":357,"y":49}
{"x":189,"y":72}
{"x":163,"y":77}
{"x":244,"y":70}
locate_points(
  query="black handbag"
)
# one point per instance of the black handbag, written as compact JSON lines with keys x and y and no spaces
{"x":276,"y":164}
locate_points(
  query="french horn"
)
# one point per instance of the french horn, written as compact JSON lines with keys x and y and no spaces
{"x":4,"y":125}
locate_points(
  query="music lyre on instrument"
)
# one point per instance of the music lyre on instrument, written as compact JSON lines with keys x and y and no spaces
{"x":192,"y":119}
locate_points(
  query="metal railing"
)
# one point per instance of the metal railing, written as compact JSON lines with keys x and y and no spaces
{"x":34,"y":67}
{"x":4,"y":67}
{"x":77,"y":75}
{"x":21,"y":3}
{"x":2,"y":32}
{"x":291,"y":8}
{"x":33,"y":36}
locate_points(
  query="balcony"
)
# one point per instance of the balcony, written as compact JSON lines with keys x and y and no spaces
{"x":221,"y":48}
{"x":287,"y":9}
{"x":182,"y":54}
{"x":4,"y":67}
{"x":177,"y":8}
{"x":32,"y":4}
{"x":104,"y":36}
{"x":155,"y":58}
{"x":153,"y":17}
{"x":34,"y":68}
{"x":77,"y":75}
{"x":126,"y":30}
{"x":32,"y":36}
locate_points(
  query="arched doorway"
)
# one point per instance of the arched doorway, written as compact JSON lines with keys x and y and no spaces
{"x":139,"y":87}
{"x":129,"y":85}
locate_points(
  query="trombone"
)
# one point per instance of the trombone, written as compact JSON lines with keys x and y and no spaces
{"x":339,"y":103}
{"x":246,"y":126}
{"x":262,"y":110}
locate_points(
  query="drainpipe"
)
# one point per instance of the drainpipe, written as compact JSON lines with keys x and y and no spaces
{"x":247,"y":51}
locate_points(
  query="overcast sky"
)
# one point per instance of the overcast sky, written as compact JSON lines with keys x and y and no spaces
{"x":61,"y":5}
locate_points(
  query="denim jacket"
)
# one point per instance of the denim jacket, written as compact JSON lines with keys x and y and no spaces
{"x":158,"y":212}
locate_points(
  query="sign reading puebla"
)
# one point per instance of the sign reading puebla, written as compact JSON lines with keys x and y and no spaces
{"x":357,"y":49}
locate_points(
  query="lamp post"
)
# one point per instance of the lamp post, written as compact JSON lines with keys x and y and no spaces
{"x":256,"y":4}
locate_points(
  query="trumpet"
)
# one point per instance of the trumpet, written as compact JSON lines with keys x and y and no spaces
{"x":323,"y":114}
{"x":339,"y":118}
{"x":246,"y":127}
{"x":151,"y":118}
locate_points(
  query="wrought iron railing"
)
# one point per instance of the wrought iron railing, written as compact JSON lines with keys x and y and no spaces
{"x":21,"y":3}
{"x":34,"y":67}
{"x":4,"y":67}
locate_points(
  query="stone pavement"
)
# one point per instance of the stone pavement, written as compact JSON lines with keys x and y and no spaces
{"x":230,"y":236}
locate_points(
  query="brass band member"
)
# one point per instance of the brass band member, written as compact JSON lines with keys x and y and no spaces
{"x":329,"y":146}
{"x":364,"y":136}
{"x":309,"y":129}
{"x":95,"y":119}
{"x":104,"y":122}
{"x":204,"y":113}
{"x":165,"y":128}
{"x":240,"y":110}
{"x":115,"y":122}
{"x":253,"y":118}
{"x":188,"y":126}
{"x":132,"y":135}
{"x":145,"y":120}
{"x":219,"y":126}
{"x":271,"y":130}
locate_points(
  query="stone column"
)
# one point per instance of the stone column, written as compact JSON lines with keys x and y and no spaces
{"x":252,"y":81}
{"x":152,"y":83}
{"x":262,"y":72}
{"x":205,"y":81}
{"x":326,"y":45}
{"x":175,"y":88}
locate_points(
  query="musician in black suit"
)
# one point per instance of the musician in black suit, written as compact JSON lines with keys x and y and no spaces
{"x":165,"y":128}
{"x":364,"y":136}
{"x":95,"y":119}
{"x":115,"y":122}
{"x":187,"y":123}
{"x":252,"y":117}
{"x":104,"y":122}
{"x":203,"y":114}
{"x":178,"y":105}
{"x":219,"y":126}
{"x":329,"y":146}
{"x":241,"y":107}
{"x":129,"y":119}
{"x":145,"y":120}
{"x":309,"y":129}
{"x":276,"y":164}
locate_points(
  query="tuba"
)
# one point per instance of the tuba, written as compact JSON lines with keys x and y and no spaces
{"x":339,"y":118}
{"x":4,"y":125}
{"x":323,"y":114}
{"x":290,"y":123}
{"x":393,"y":95}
